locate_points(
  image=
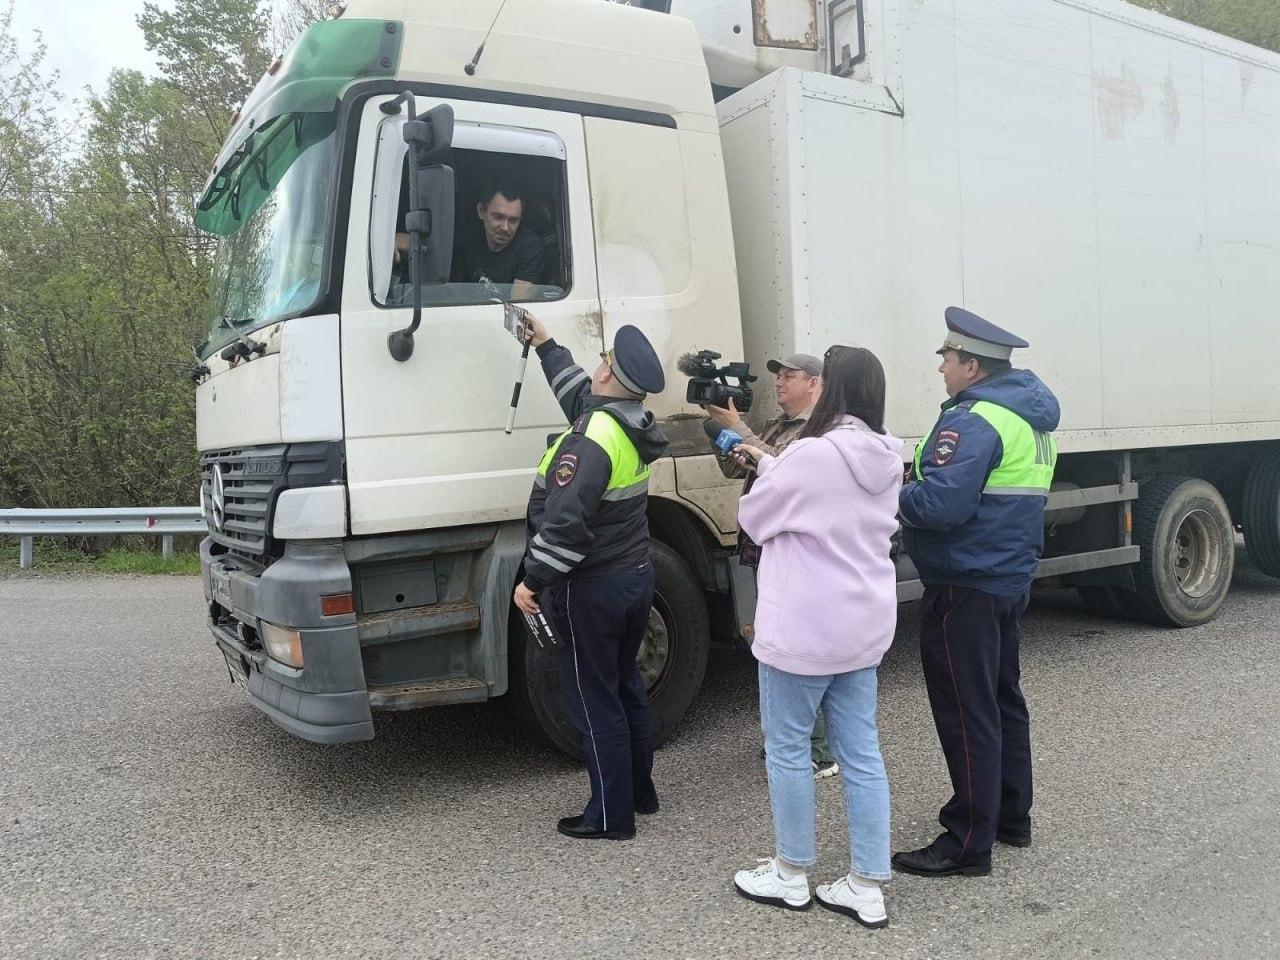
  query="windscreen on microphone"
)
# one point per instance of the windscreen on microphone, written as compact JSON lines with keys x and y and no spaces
{"x":689,"y":365}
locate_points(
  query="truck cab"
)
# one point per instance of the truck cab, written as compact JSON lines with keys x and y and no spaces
{"x":366,"y":512}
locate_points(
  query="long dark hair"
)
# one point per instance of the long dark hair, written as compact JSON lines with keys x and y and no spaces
{"x":852,"y":385}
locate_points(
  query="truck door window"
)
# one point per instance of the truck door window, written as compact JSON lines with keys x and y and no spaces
{"x":511,"y":221}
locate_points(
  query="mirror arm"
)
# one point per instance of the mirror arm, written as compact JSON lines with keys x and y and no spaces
{"x":400,"y":342}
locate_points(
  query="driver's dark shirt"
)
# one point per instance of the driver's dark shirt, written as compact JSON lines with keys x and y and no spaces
{"x":524,"y":258}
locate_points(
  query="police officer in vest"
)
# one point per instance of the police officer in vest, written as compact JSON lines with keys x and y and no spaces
{"x":587,"y":567}
{"x":973,"y":512}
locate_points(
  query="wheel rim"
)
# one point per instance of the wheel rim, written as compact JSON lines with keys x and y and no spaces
{"x":1197,"y":554}
{"x":654,"y":656}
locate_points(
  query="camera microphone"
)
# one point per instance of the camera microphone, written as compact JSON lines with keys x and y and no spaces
{"x":689,"y":364}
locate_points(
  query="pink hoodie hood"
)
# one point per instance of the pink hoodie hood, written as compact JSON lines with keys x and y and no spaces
{"x":824,"y":513}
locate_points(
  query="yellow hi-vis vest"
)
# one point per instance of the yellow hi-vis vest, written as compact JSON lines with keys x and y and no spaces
{"x":629,"y":476}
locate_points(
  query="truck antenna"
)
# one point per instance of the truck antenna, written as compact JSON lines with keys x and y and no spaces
{"x":470,"y":68}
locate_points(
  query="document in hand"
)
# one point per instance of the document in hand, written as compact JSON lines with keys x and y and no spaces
{"x":540,"y":629}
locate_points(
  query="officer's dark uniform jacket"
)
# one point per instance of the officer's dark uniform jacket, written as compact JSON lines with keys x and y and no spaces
{"x":588,"y":509}
{"x":974,"y":513}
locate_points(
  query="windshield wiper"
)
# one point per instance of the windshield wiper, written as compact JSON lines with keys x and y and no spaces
{"x":243,"y":348}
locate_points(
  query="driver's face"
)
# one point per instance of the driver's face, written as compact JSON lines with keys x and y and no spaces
{"x":501,"y":219}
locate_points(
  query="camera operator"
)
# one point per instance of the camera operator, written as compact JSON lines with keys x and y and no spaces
{"x":797,"y":387}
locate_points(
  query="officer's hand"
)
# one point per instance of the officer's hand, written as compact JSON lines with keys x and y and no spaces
{"x":726,"y":417}
{"x":401,"y":247}
{"x":538,"y":334}
{"x":525,"y":600}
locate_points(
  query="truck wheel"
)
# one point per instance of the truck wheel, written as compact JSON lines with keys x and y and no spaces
{"x":1261,"y":513}
{"x":1188,"y":552}
{"x":672,"y":660}
{"x":1107,"y":601}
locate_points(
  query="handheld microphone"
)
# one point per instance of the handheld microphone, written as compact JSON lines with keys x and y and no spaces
{"x":726,"y":440}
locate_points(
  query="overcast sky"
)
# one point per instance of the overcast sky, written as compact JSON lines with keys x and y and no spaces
{"x":86,"y":38}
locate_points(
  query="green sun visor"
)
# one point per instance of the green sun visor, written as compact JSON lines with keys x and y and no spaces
{"x":278,"y":121}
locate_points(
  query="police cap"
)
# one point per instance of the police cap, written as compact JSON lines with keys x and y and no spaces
{"x":969,"y":332}
{"x":635,"y":363}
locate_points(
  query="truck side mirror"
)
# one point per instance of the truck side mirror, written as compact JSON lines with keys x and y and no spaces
{"x":432,"y":213}
{"x":430,"y":217}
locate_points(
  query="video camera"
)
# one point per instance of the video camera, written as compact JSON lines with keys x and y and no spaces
{"x":709,"y":384}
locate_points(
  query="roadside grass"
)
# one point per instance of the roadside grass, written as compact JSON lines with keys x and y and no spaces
{"x":139,"y":556}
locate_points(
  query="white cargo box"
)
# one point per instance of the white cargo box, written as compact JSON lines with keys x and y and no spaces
{"x":1106,"y":184}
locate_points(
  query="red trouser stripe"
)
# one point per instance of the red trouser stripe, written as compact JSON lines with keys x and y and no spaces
{"x":964,"y":732}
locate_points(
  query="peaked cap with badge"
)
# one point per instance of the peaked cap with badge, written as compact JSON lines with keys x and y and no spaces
{"x":971,"y":333}
{"x":635,"y":363}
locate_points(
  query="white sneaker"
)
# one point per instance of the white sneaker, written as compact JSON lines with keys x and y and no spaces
{"x":766,"y":884}
{"x":864,"y":904}
{"x":823,"y":770}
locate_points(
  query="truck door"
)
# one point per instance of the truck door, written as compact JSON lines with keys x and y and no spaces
{"x":425,"y":441}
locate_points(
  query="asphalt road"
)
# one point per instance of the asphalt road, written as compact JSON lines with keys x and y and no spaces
{"x":147,"y":811}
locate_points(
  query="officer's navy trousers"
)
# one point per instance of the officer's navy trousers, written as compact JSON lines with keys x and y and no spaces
{"x":601,"y":620}
{"x":969,"y":648}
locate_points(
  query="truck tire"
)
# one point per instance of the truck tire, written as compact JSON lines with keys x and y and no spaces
{"x":672,"y":659}
{"x":1107,"y":601}
{"x":1261,"y":513}
{"x":1188,"y":552}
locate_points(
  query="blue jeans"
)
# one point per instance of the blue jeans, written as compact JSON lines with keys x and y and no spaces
{"x":788,"y":704}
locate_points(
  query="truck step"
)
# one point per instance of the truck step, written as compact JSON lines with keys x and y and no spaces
{"x":428,"y":693}
{"x":430,"y":620}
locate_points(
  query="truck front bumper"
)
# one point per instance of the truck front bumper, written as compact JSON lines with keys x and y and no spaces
{"x":325,"y":700}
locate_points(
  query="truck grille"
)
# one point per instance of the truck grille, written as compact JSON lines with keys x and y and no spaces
{"x":250,"y":479}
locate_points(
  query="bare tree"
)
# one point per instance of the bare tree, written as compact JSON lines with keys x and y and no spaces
{"x":291,"y":17}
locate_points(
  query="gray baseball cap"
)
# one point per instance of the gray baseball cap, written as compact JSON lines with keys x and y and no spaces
{"x":797,"y":361}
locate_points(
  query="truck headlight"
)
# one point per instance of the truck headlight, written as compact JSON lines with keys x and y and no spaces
{"x":282,"y":643}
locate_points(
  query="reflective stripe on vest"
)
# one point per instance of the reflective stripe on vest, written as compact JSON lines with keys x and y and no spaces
{"x":1026,"y":466}
{"x":1028,"y":456}
{"x":629,"y":475}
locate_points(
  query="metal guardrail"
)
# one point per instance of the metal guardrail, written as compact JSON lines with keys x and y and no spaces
{"x":164,"y":522}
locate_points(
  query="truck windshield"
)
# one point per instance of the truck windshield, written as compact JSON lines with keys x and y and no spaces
{"x":271,"y":206}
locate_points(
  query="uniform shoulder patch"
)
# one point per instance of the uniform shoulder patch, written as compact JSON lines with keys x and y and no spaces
{"x":566,"y":469}
{"x":945,"y":446}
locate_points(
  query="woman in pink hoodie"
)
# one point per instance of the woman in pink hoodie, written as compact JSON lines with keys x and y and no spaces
{"x":824,"y":512}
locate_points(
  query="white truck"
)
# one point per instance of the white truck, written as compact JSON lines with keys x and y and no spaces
{"x":755,"y":177}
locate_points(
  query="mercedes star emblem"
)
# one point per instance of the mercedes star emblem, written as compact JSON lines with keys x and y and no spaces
{"x":218,"y":511}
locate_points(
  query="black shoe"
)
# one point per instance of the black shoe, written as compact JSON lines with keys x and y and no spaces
{"x":925,"y":862}
{"x":574,"y":827}
{"x":1015,"y":839}
{"x":648,"y":808}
